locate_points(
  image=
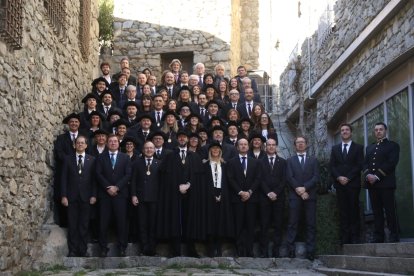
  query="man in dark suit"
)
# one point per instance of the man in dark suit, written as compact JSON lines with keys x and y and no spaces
{"x":244,"y":176}
{"x":118,"y":90}
{"x":302,"y":174}
{"x":144,"y":193}
{"x":381,"y":160}
{"x":158,"y":138}
{"x":78,"y":191}
{"x":272,"y":198}
{"x":345,"y":164}
{"x":245,"y":109}
{"x":113,"y":172}
{"x":140,"y":132}
{"x":64,"y":145}
{"x":158,"y":111}
{"x":201,"y":108}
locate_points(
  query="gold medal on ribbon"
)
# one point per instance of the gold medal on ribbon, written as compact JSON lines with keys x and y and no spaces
{"x":148,"y":173}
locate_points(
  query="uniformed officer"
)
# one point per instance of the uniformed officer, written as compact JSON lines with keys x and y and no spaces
{"x":381,"y":160}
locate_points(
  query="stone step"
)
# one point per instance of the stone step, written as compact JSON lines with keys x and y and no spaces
{"x":402,"y":249}
{"x":185,"y":262}
{"x":396,"y":265}
{"x":163,"y":250}
{"x":347,"y":272}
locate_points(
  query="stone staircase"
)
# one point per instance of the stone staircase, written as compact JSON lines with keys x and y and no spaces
{"x":133,"y":260}
{"x":370,"y":259}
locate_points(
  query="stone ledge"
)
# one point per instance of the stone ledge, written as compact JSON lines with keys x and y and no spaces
{"x":185,"y":262}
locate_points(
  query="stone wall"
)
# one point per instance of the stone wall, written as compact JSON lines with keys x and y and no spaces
{"x":219,"y":31}
{"x":39,"y":85}
{"x":351,"y":17}
{"x":249,"y":34}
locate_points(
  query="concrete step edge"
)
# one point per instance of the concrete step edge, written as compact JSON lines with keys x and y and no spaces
{"x":344,"y":272}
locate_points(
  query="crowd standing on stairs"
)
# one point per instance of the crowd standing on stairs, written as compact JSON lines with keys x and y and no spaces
{"x":194,"y":158}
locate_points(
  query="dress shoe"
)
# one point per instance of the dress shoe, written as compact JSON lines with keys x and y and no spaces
{"x":310,"y":256}
{"x":72,"y":254}
{"x":103,"y":253}
{"x":83,"y":254}
{"x":377,"y":241}
{"x":292,"y":254}
{"x":122,"y":253}
{"x":275,"y":254}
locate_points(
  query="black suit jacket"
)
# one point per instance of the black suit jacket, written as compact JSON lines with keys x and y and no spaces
{"x":120,"y":99}
{"x":307,"y":177}
{"x":75,"y":186}
{"x":350,"y":167}
{"x":119,"y":176}
{"x":164,"y":152}
{"x":145,"y":186}
{"x":381,"y":159}
{"x":242,"y":109}
{"x":273,"y":180}
{"x":240,"y":182}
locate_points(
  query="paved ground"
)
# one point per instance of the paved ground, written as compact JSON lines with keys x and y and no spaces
{"x":183,"y":272}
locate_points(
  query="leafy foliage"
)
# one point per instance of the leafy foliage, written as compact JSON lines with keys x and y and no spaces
{"x":106,"y":21}
{"x":327,"y":225}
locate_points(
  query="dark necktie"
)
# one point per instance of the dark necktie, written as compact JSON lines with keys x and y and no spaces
{"x":158,"y":118}
{"x":244,"y":164}
{"x":271,"y":162}
{"x":234,"y":106}
{"x":106,"y":110}
{"x":249,"y":108}
{"x":344,"y":151}
{"x":203,"y":114}
{"x":73,"y":138}
{"x":113,"y":160}
{"x":182,"y":155}
{"x":80,"y":165}
{"x":302,"y":160}
{"x":170,"y":91}
{"x":200,"y":80}
{"x":158,"y":154}
{"x":145,"y":135}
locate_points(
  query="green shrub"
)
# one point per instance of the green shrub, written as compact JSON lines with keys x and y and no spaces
{"x":327,"y":225}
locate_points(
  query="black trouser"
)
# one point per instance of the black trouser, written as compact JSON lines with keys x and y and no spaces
{"x":348,"y":203}
{"x":295,"y":209}
{"x":384,"y":200}
{"x":271,"y":213}
{"x":147,"y":212}
{"x":78,"y":221}
{"x":245,"y":216}
{"x":116,"y":206}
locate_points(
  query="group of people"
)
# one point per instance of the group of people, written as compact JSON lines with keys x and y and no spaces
{"x":192,"y":158}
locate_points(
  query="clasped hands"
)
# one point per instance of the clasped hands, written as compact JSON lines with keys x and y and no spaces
{"x":272,"y":196}
{"x":244,"y":196}
{"x":301,"y":191}
{"x":343,"y":180}
{"x":183,"y":188}
{"x":112,"y":190}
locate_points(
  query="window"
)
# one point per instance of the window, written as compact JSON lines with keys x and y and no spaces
{"x":11,"y":22}
{"x":395,"y":112}
{"x":56,"y":11}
